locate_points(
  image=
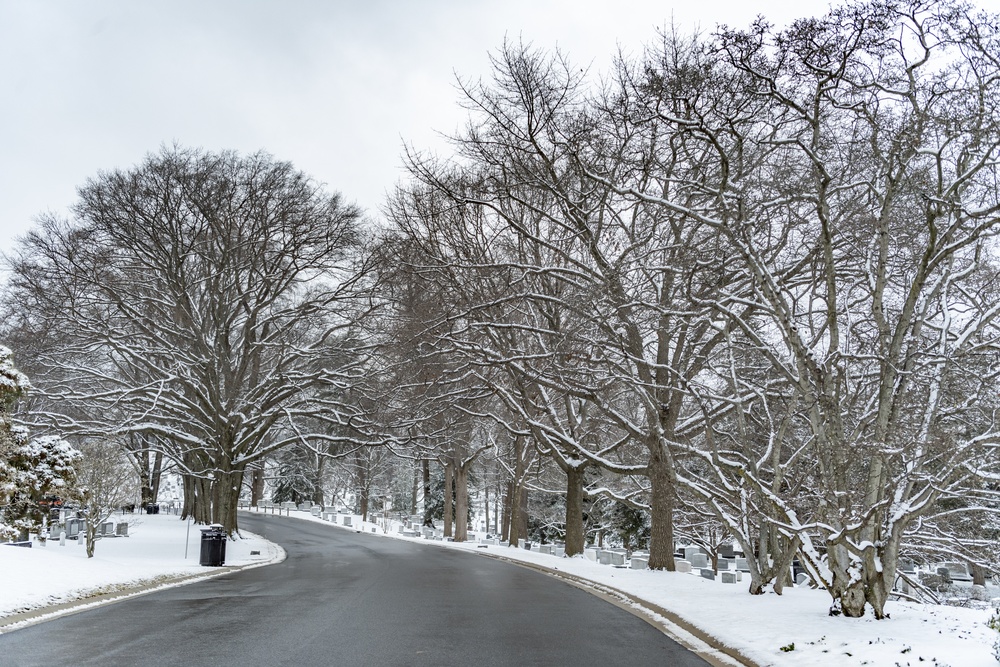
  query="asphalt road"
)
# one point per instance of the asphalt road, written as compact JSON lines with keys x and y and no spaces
{"x":344,"y":599}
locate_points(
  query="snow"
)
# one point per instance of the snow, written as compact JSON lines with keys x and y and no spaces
{"x":757,"y":627}
{"x":152,"y":554}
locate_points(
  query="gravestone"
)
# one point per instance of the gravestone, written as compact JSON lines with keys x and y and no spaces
{"x":107,"y":528}
{"x":801,"y":579}
{"x":727,"y":563}
{"x":559,"y":551}
{"x":347,"y":520}
{"x":741,"y":565}
{"x":689,"y":552}
{"x":73,"y":527}
{"x":316,"y":510}
{"x":728,"y":577}
{"x":618,"y":558}
{"x":708,"y":574}
{"x":520,"y":543}
{"x":727,"y":551}
{"x":698,"y":560}
{"x":591,"y":553}
{"x":683,"y":565}
{"x":639,"y":563}
{"x":288,"y":505}
{"x":546,"y":549}
{"x":121,"y":530}
{"x":604,"y":556}
{"x":305,"y":506}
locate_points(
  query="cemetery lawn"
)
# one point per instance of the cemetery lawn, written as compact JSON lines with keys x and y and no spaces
{"x":42,"y":578}
{"x":791,"y":629}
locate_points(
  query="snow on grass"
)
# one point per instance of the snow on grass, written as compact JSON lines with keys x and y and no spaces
{"x":152,"y":553}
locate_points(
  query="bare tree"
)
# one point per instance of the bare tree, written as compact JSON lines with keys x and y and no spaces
{"x":105,"y":480}
{"x":199,"y":299}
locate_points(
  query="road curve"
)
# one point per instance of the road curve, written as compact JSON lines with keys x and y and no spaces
{"x":344,"y":598}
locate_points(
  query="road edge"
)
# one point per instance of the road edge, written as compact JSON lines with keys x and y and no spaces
{"x":37,"y":615}
{"x":669,"y":623}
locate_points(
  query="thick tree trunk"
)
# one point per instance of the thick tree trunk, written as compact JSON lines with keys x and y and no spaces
{"x":363,"y":503}
{"x":522,"y":515}
{"x":848,"y":592}
{"x":575,"y":537}
{"x":256,"y":485}
{"x":448,"y":489}
{"x":317,"y":481}
{"x":508,"y":514}
{"x":226,"y":497}
{"x":661,"y":532}
{"x":462,"y":502}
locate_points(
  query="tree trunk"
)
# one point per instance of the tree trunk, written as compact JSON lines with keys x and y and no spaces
{"x":848,"y":592}
{"x":575,"y":536}
{"x":90,"y":529}
{"x":256,"y":485}
{"x":428,"y":519}
{"x":522,"y":515}
{"x":486,"y":505}
{"x":317,"y":481}
{"x":363,"y":503}
{"x":462,"y":502}
{"x":226,"y":497}
{"x":496,"y":510}
{"x":448,"y":507}
{"x":508,"y":513}
{"x":661,"y":532}
{"x":413,"y":492}
{"x":156,"y":475}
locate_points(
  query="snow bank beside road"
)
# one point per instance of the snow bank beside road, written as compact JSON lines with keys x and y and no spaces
{"x":152,"y":553}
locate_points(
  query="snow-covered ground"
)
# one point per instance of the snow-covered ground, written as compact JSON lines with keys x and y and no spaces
{"x":791,"y":629}
{"x":152,"y":555}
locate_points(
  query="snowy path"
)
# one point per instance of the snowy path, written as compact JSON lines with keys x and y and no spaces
{"x":342,"y":598}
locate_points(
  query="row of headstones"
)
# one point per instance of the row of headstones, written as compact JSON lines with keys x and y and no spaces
{"x":75,"y":527}
{"x":333,"y":517}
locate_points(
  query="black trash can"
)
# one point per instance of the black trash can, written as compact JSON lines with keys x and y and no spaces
{"x":213,"y":546}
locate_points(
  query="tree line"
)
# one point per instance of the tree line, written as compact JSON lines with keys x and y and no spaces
{"x":743,"y":286}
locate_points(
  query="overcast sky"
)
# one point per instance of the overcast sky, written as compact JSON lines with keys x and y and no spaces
{"x":334,"y":86}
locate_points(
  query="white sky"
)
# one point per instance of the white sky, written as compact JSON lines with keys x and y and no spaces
{"x":333,"y":86}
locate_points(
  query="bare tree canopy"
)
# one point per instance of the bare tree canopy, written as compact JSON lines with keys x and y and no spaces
{"x":198,"y":299}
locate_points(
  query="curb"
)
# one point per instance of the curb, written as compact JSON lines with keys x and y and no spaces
{"x":668,"y":622}
{"x":126,"y":591}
